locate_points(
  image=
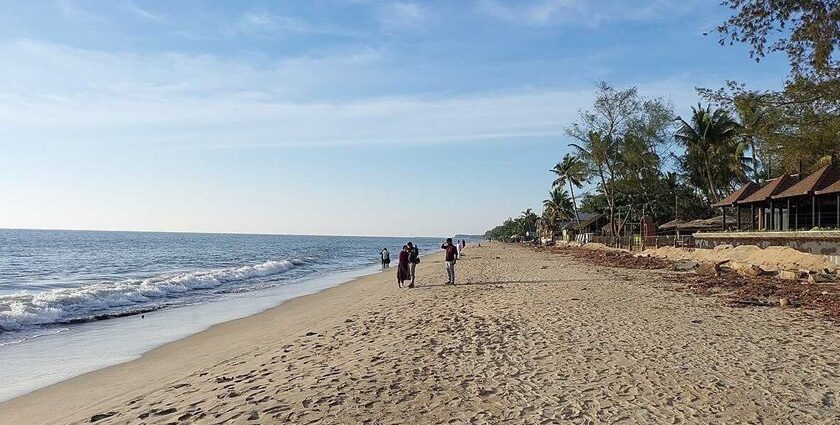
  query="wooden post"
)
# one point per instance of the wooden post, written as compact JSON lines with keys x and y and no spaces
{"x":723,"y":221}
{"x":752,"y":217}
{"x":788,"y":217}
{"x":796,"y":216}
{"x":738,"y":217}
{"x":819,"y":211}
{"x":813,"y":210}
{"x":770,"y":220}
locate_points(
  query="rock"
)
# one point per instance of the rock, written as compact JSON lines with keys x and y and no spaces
{"x":708,"y":269}
{"x":749,"y":270}
{"x":685,"y":265}
{"x":784,"y":302}
{"x":821,"y":278}
{"x":789,"y":275}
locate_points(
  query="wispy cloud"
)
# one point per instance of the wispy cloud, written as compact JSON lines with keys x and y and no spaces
{"x":264,"y":22}
{"x":581,"y":12}
{"x":144,"y":13}
{"x":402,"y":15}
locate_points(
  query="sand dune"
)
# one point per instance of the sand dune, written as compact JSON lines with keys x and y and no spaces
{"x":527,"y":337}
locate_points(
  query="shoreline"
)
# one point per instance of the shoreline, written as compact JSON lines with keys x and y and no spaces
{"x":525,"y":337}
{"x":321,"y":284}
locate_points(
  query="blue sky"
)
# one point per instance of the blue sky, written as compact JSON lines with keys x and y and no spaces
{"x":356,"y":117}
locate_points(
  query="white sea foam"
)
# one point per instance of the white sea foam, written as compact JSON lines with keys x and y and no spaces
{"x":22,"y":310}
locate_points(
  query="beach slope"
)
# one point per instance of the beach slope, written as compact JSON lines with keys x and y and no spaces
{"x":526,"y":337}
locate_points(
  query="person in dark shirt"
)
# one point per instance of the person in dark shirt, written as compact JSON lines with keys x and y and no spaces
{"x":451,"y":258}
{"x":403,"y":272}
{"x":413,"y":259}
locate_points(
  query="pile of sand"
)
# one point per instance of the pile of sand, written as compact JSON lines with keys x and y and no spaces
{"x":774,"y":258}
{"x":597,"y":246}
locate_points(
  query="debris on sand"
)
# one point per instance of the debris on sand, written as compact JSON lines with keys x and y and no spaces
{"x":743,"y":284}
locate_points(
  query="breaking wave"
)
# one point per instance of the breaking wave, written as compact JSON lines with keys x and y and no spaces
{"x":107,"y":300}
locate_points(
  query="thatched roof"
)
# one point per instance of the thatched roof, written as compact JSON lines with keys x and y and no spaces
{"x":714,"y":223}
{"x":745,"y":191}
{"x":772,"y":187}
{"x":817,"y":181}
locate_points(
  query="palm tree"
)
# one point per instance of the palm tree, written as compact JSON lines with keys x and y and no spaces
{"x":559,"y":203}
{"x":600,"y":152}
{"x":573,"y":171}
{"x":528,"y":220}
{"x":710,"y":135}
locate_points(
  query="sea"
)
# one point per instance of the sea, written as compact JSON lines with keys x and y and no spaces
{"x":75,"y":301}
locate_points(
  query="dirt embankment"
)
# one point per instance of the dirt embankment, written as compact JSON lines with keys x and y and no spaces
{"x":774,"y":258}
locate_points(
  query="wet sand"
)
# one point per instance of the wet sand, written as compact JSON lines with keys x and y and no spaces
{"x":526,"y":337}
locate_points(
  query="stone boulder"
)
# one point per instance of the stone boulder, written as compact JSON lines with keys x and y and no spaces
{"x":748,"y":270}
{"x":821,"y":278}
{"x":686,"y":265}
{"x":708,"y":269}
{"x":789,"y":275}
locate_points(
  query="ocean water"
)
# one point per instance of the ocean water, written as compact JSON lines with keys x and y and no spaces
{"x":51,"y":280}
{"x":76,"y":301}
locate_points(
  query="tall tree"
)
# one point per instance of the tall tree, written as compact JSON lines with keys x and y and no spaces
{"x":573,"y":171}
{"x":557,"y":207}
{"x":711,"y":136}
{"x":619,"y":138}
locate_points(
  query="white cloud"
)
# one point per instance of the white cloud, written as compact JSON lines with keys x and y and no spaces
{"x":265,"y":22}
{"x":201,"y":100}
{"x":144,"y":13}
{"x":400,"y":15}
{"x":581,"y":12}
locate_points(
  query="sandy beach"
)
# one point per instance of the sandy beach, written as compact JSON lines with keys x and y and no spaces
{"x":526,"y":337}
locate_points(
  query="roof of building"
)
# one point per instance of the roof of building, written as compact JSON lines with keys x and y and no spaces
{"x":736,"y":196}
{"x":700,"y":224}
{"x":816,"y":181}
{"x":772,"y":187}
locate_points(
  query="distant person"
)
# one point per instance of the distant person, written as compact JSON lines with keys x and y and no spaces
{"x":451,"y":258}
{"x":413,"y":260}
{"x":386,"y":258}
{"x":403,"y":271}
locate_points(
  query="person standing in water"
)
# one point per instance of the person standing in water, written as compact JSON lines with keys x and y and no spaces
{"x":413,"y":259}
{"x":403,"y":272}
{"x":451,"y":258}
{"x":385,"y":256}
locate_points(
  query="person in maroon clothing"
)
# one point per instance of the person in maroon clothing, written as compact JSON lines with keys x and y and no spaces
{"x":403,"y":272}
{"x":451,"y":258}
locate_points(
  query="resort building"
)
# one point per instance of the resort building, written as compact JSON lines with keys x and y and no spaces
{"x":800,"y":211}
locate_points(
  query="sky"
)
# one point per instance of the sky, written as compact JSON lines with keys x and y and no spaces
{"x":339,"y":117}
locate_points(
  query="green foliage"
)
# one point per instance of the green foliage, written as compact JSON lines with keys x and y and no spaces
{"x":714,"y":154}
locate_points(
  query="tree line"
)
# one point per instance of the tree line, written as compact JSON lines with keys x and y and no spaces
{"x":642,"y":160}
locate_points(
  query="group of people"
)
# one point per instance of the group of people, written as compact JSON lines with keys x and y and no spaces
{"x":409,"y":257}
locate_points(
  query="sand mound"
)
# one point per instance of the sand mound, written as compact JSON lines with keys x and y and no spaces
{"x":772,"y":258}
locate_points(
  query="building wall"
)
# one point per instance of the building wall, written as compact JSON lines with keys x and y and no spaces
{"x":815,"y":242}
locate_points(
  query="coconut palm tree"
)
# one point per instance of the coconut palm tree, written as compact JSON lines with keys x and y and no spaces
{"x":600,"y":152}
{"x":573,"y":171}
{"x":711,"y":137}
{"x":528,"y":220}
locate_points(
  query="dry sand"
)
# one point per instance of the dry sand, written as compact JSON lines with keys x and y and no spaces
{"x":527,"y":337}
{"x":773,"y":258}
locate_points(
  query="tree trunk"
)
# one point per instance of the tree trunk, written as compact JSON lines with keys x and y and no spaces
{"x":712,"y":193}
{"x":574,"y":202}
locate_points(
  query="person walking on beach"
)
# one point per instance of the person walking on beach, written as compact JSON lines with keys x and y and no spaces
{"x":413,"y":259}
{"x":386,"y":258}
{"x":451,"y":257}
{"x":403,"y":272}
